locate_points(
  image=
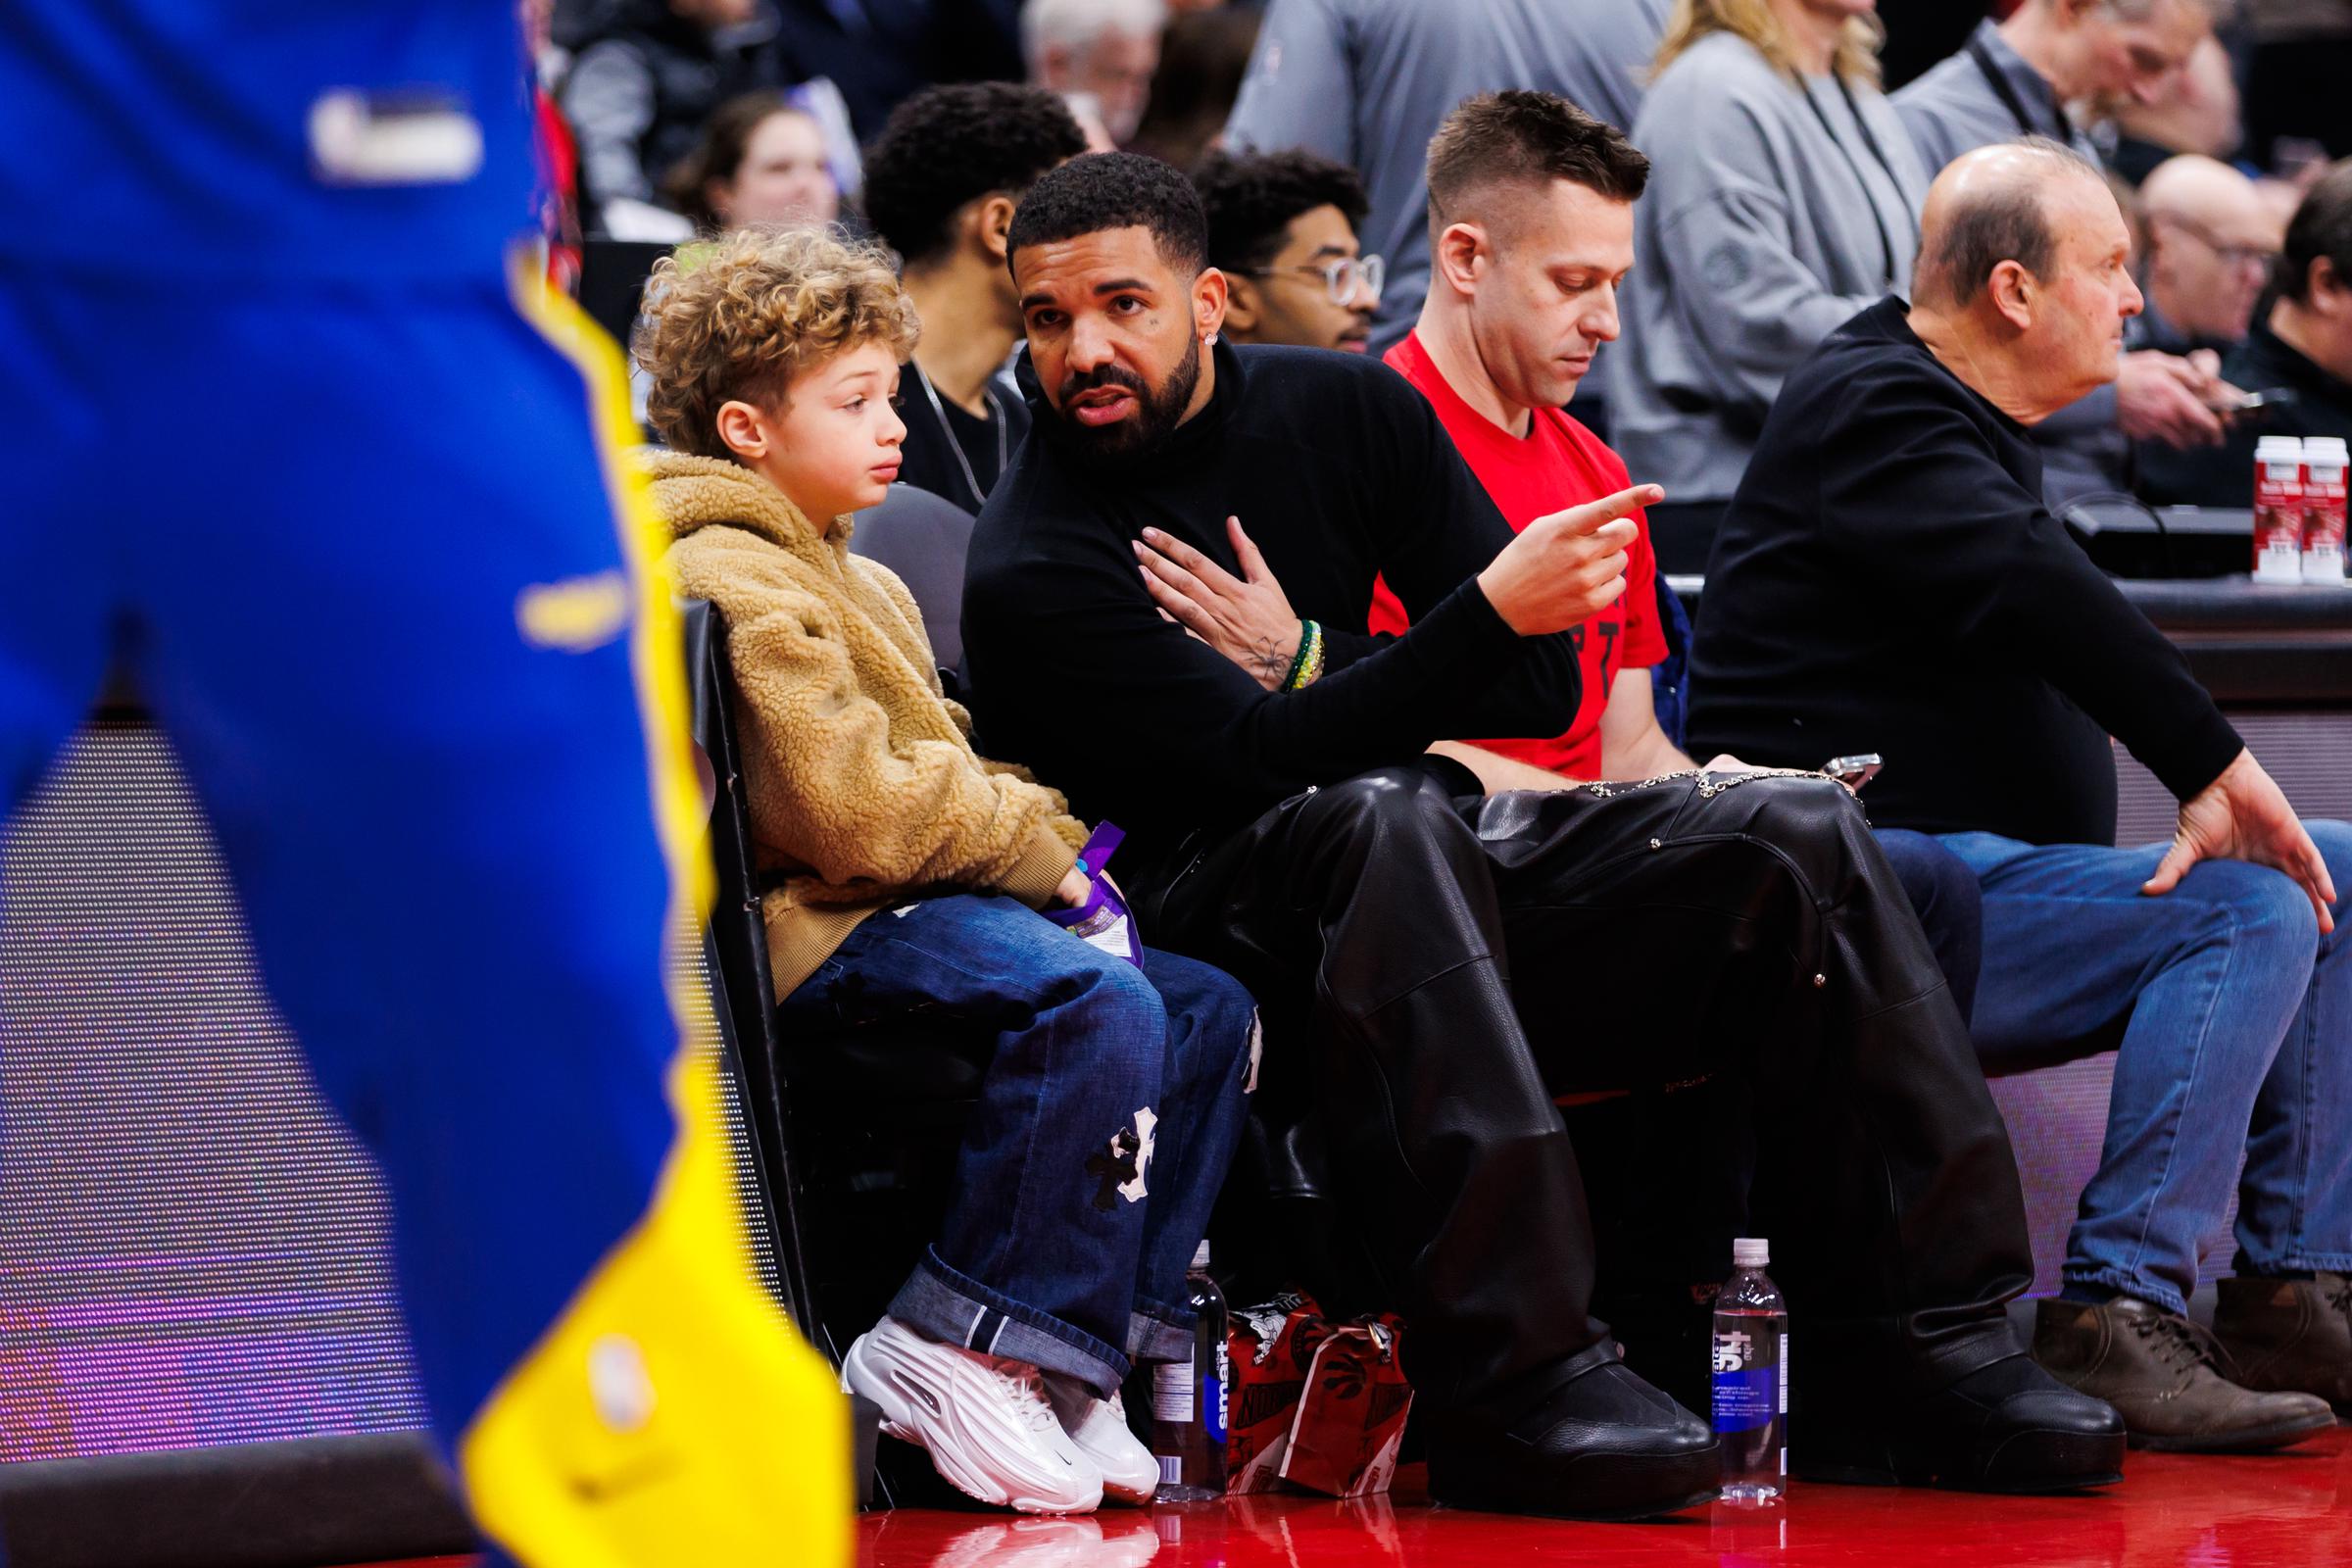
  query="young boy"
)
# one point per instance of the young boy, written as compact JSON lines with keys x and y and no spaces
{"x":908,"y":871}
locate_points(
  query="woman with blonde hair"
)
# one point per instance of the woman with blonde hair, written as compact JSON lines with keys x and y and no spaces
{"x":1784,"y":198}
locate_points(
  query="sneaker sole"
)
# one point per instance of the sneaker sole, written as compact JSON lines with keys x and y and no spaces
{"x":898,"y":1421}
{"x":2262,"y":1440}
{"x":1132,"y":1500}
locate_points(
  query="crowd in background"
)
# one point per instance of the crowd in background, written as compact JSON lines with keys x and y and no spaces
{"x":1777,"y":211}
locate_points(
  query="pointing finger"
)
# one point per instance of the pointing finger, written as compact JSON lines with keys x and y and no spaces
{"x":1594,"y":514}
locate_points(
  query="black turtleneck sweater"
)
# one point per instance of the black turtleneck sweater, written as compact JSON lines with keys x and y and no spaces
{"x":1889,"y":580}
{"x":1340,"y":473}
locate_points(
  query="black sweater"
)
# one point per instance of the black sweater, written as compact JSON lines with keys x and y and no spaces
{"x":2223,"y":476}
{"x":1340,"y":471}
{"x":1889,"y":580}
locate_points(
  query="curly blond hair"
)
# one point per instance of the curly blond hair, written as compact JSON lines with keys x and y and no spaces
{"x":742,"y":316}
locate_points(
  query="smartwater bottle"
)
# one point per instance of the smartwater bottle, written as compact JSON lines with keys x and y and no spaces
{"x":1188,"y":1400}
{"x":1751,"y":1378}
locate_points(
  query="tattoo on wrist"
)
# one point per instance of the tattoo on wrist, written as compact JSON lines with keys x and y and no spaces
{"x":1270,"y":664}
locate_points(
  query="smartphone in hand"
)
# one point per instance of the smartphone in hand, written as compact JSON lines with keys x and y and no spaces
{"x":1854,"y":772}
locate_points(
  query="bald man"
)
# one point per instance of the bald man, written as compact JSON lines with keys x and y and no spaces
{"x":1888,"y":580}
{"x":2056,"y":68}
{"x":2303,"y":346}
{"x":2211,"y":238}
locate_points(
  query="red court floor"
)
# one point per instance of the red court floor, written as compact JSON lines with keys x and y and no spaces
{"x":2290,"y":1508}
{"x":2171,"y":1512}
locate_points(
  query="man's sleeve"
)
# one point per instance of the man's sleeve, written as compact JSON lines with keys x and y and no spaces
{"x":1645,"y":645}
{"x":1917,"y":504}
{"x":1932,"y":134}
{"x":1644,"y":638}
{"x":1746,"y":307}
{"x":1435,"y":530}
{"x":1300,"y":87}
{"x":2198,"y":476}
{"x":1079,"y":677}
{"x":609,"y":98}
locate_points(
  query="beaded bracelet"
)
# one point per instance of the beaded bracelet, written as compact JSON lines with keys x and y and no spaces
{"x":1290,"y":677}
{"x":1308,"y":667}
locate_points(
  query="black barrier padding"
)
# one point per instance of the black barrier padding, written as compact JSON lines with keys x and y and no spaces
{"x":293,"y":1504}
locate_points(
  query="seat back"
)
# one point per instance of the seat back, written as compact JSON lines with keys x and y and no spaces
{"x":737,"y":945}
{"x":924,"y":541}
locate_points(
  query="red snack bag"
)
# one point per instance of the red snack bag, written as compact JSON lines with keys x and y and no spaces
{"x":1269,"y":1349}
{"x":1351,"y":1417}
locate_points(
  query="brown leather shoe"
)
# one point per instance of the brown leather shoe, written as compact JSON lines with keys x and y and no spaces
{"x":2158,"y":1370}
{"x":2289,"y":1334}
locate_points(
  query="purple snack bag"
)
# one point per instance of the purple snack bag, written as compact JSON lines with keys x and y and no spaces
{"x":1103,"y":921}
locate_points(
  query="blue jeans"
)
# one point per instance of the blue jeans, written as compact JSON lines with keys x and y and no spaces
{"x":1106,"y":1118}
{"x":1942,"y":890}
{"x":2240,"y":1043}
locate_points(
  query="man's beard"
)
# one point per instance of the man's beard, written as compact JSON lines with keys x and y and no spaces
{"x":1156,"y":414}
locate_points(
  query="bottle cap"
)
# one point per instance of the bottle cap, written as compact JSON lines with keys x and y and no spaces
{"x":2328,"y":449}
{"x":1750,"y":1252}
{"x":1200,"y":1256}
{"x":2277,"y":449}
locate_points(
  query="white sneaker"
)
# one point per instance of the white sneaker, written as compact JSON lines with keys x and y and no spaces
{"x":1100,"y":1428}
{"x":984,"y":1420}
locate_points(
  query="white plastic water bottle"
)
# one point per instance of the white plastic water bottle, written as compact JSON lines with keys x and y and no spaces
{"x":2278,"y":509}
{"x":1751,"y":1378}
{"x":2324,"y":462}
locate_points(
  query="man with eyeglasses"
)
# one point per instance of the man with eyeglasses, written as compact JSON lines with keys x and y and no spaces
{"x":2302,"y":347}
{"x":2210,"y":242}
{"x":1281,"y":227}
{"x":2054,"y":69}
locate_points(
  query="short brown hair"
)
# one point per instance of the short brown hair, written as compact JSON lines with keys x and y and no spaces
{"x":2322,"y":226}
{"x":1520,"y":138}
{"x":1996,"y":221}
{"x":742,"y":316}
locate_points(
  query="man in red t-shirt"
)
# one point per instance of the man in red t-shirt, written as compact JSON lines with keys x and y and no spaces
{"x":1517,"y":306}
{"x":1522,"y":292}
{"x":1534,"y":461}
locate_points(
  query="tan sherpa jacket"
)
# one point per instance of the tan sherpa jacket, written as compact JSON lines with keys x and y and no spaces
{"x":863,"y":786}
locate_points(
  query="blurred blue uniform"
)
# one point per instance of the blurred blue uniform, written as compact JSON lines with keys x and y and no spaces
{"x":280,"y":437}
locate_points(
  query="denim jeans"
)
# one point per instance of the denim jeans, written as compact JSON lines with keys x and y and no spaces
{"x":1942,"y":890}
{"x":2240,"y":1043}
{"x":1108,"y":1114}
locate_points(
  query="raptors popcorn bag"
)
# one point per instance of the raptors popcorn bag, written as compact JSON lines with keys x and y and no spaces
{"x":1319,"y":1404}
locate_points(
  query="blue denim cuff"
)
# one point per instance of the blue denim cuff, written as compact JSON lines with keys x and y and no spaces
{"x":957,"y":1309}
{"x":2156,"y":1292}
{"x":1156,"y":1333}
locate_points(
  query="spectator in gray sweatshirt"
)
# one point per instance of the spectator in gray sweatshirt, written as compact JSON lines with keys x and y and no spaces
{"x":1784,"y":199}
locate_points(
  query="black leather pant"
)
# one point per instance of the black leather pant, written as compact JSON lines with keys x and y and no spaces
{"x":1470,"y":960}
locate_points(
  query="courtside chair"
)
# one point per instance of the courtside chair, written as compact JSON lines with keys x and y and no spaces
{"x":854,"y":1134}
